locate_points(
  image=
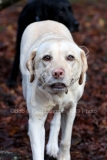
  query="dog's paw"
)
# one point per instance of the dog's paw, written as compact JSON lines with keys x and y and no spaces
{"x":52,"y":150}
{"x":11,"y":84}
{"x":63,"y":156}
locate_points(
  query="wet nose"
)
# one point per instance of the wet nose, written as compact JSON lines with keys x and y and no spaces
{"x":58,"y":73}
{"x":76,"y":25}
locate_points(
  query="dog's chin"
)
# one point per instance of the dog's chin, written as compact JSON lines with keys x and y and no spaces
{"x":56,"y":88}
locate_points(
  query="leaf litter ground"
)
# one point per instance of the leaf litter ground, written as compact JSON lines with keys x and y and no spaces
{"x":89,"y":140}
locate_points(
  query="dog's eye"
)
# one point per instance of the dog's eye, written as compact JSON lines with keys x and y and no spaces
{"x":69,"y":7}
{"x":62,"y":10}
{"x":47,"y":58}
{"x":70,"y":58}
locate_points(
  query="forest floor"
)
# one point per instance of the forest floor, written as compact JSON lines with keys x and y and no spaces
{"x":89,"y":140}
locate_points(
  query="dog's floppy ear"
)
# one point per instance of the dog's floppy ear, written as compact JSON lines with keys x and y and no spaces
{"x":84,"y":66}
{"x":30,"y":64}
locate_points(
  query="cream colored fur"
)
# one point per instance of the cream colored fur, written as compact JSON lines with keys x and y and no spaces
{"x":53,"y":39}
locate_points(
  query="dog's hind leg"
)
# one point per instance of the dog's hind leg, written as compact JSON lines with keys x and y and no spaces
{"x":15,"y":68}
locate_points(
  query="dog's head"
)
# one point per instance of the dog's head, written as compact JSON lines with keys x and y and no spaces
{"x":56,"y":10}
{"x":57,"y":65}
{"x":61,"y":11}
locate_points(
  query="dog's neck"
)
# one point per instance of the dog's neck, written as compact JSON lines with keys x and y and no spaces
{"x":48,"y":101}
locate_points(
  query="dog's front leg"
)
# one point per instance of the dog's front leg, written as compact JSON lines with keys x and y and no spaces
{"x":37,"y":135}
{"x":52,"y":146}
{"x":67,"y":119}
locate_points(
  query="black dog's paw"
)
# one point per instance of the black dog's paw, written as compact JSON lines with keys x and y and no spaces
{"x":11,"y":83}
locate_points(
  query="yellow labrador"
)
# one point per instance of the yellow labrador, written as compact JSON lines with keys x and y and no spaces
{"x":54,"y":73}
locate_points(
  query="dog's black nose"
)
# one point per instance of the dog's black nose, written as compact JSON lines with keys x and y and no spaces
{"x":76,"y":25}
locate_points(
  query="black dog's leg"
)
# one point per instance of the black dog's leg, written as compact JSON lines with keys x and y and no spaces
{"x":25,"y":18}
{"x":15,"y":68}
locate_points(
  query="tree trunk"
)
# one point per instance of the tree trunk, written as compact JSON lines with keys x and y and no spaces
{"x":6,"y":3}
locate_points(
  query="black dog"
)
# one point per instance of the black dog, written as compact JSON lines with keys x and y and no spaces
{"x":39,"y":10}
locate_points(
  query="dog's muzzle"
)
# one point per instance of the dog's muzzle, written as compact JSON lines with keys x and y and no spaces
{"x":58,"y":86}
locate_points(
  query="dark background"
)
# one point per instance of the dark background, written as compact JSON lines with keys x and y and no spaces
{"x":89,"y":140}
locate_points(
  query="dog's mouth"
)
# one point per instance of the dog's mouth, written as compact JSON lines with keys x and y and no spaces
{"x":58,"y":86}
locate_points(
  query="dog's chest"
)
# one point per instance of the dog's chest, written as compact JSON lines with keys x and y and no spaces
{"x":63,"y":102}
